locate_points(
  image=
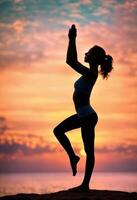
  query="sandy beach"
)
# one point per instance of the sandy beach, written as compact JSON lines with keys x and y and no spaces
{"x":69,"y":195}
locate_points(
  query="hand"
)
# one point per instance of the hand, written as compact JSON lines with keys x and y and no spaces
{"x":72,"y":32}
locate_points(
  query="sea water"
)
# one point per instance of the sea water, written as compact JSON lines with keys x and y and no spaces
{"x":13,"y":183}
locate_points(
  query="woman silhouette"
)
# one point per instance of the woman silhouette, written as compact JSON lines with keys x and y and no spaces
{"x":85,"y":118}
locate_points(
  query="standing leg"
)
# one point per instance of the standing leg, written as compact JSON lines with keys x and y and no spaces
{"x":68,"y":124}
{"x":90,"y":157}
{"x":88,"y":135}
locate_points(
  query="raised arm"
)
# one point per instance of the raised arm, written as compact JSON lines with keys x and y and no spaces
{"x":72,"y":53}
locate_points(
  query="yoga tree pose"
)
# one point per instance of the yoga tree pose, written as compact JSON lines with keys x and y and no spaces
{"x":85,"y":118}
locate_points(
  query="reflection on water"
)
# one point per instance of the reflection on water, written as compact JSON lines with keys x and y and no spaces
{"x":50,"y":182}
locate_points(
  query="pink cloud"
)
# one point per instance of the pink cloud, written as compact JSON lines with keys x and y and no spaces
{"x":43,"y":45}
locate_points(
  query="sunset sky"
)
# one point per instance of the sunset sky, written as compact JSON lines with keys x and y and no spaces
{"x":36,"y":85}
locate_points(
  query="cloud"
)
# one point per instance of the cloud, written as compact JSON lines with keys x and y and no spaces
{"x":19,"y":45}
{"x":117,"y":124}
{"x":3,"y":125}
{"x":17,"y":1}
{"x":121,"y":157}
{"x":113,"y":38}
{"x":130,"y":149}
{"x":12,"y":147}
{"x":32,"y":144}
{"x":25,"y":41}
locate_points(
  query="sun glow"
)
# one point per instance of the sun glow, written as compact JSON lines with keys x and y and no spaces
{"x":82,"y":152}
{"x":37,"y":85}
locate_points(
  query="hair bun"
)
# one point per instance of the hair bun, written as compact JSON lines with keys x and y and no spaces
{"x":106,"y":66}
{"x":106,"y":57}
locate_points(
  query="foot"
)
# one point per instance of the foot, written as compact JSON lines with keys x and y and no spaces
{"x":73,"y":163}
{"x":79,"y":188}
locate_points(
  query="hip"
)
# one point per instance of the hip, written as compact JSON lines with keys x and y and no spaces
{"x":87,"y":115}
{"x":85,"y":110}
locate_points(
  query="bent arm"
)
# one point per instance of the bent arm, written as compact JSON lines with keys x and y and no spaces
{"x":71,"y":59}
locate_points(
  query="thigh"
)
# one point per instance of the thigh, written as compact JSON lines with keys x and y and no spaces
{"x":69,"y":123}
{"x":88,"y":136}
{"x":88,"y":133}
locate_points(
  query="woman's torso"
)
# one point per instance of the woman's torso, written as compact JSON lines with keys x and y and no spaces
{"x":83,"y":88}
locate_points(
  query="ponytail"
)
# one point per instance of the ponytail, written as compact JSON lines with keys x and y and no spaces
{"x":106,"y":66}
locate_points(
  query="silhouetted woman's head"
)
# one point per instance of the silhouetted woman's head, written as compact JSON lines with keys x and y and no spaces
{"x":97,"y":55}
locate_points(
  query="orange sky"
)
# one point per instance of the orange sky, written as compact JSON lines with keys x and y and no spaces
{"x":37,"y":86}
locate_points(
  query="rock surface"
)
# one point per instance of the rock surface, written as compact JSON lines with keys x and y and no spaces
{"x":71,"y":195}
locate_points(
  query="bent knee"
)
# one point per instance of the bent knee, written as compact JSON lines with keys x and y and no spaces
{"x":57,"y":131}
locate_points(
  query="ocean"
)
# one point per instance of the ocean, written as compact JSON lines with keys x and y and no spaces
{"x":13,"y":183}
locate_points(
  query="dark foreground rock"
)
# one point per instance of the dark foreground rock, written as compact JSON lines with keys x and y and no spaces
{"x":69,"y":195}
